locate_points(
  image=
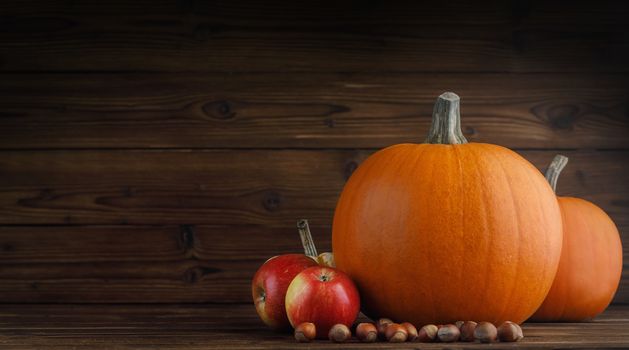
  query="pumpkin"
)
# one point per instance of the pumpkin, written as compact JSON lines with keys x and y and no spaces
{"x":448,"y":230}
{"x":591,"y":259}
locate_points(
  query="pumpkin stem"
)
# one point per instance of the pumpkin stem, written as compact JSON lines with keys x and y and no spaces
{"x":554,"y":169}
{"x":306,"y":238}
{"x":446,"y":121}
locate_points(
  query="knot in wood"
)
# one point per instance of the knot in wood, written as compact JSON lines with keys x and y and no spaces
{"x":350,"y":167}
{"x":563,"y":117}
{"x":271,"y":201}
{"x":221,"y":110}
{"x":195,"y":274}
{"x":470,"y":131}
{"x":186,"y":237}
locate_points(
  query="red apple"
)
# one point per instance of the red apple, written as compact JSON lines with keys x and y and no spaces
{"x":324,"y":296}
{"x":270,"y":283}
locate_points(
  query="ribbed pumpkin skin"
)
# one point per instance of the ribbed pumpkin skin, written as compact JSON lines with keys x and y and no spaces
{"x":440,"y":233}
{"x":590,"y":265}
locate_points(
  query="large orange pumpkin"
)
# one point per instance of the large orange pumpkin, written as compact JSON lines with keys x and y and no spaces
{"x":591,"y":260}
{"x":448,"y":230}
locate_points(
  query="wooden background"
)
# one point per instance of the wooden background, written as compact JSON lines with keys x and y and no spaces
{"x":160,"y":151}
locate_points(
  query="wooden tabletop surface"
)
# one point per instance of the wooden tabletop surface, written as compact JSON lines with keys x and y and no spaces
{"x":237,"y":326}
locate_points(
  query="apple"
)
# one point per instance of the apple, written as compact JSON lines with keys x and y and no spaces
{"x":270,"y":283}
{"x":324,"y":296}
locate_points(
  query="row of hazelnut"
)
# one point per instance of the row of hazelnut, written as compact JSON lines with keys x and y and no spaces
{"x":469,"y":331}
{"x":385,"y":329}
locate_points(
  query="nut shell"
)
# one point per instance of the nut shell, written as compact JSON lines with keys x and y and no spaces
{"x":448,"y":333}
{"x":411,"y":330}
{"x":366,"y":332}
{"x":396,"y":333}
{"x":427,"y":334}
{"x":486,"y":332}
{"x":467,"y":331}
{"x":305,"y":332}
{"x":510,"y":332}
{"x":326,"y":259}
{"x":381,"y":325}
{"x":339,"y":333}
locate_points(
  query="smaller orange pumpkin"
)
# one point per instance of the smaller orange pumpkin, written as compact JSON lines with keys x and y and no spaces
{"x":591,"y":260}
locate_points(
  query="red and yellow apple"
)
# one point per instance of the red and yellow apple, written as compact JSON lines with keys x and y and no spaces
{"x":270,"y":284}
{"x":324,"y":296}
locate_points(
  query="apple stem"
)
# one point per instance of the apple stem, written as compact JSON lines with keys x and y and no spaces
{"x":306,"y":238}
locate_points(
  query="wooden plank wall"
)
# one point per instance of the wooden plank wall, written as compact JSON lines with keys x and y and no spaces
{"x":159,"y":151}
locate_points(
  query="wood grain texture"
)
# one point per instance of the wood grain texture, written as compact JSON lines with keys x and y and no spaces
{"x":196,"y":327}
{"x":270,"y":188}
{"x":400,"y":36}
{"x":150,"y":264}
{"x":160,"y":151}
{"x":62,"y":111}
{"x":145,"y":264}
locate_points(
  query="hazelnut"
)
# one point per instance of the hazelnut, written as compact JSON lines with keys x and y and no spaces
{"x":486,"y":332}
{"x":427,"y":333}
{"x":411,"y":330}
{"x":326,"y":259}
{"x":339,"y":333}
{"x":396,"y":333}
{"x":366,"y":332}
{"x":381,"y":325}
{"x":448,"y":333}
{"x":467,"y":331}
{"x":305,"y":332}
{"x":510,"y":332}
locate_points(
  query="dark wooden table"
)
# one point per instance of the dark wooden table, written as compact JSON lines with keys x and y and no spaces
{"x":237,"y":326}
